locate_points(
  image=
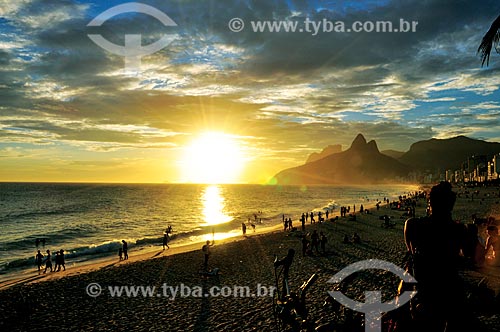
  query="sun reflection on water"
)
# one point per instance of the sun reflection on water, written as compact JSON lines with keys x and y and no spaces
{"x":213,"y":206}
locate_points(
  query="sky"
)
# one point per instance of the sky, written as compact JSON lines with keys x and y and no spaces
{"x":72,"y":111}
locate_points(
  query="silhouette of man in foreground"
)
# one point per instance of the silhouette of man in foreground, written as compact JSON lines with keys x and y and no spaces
{"x":435,"y":243}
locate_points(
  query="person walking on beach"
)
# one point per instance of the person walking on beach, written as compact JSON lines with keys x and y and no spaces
{"x":39,"y":260}
{"x":61,"y":260}
{"x":48,"y":262}
{"x":165,"y":241}
{"x":244,"y":228}
{"x":120,"y":253}
{"x":57,"y":261}
{"x":206,"y":252}
{"x":435,"y":243}
{"x":125,"y":250}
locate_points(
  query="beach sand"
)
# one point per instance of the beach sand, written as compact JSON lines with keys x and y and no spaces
{"x":60,"y":301}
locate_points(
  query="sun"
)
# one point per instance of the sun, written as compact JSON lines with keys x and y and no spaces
{"x":212,"y":157}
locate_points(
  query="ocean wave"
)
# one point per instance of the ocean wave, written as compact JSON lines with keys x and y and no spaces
{"x":92,"y":251}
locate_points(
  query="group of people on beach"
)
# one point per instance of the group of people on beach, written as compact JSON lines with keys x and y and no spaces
{"x":312,"y":246}
{"x":46,"y":260}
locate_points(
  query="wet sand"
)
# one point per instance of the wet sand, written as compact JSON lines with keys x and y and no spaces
{"x":61,"y":301}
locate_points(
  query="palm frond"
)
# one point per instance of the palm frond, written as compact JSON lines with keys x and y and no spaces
{"x":490,"y":39}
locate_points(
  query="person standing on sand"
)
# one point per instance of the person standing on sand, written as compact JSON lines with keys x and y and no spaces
{"x":120,"y":253}
{"x":315,"y":241}
{"x":39,"y":260}
{"x":435,"y":243}
{"x":206,"y":252}
{"x":48,"y":262}
{"x":125,"y":250}
{"x":305,"y":245}
{"x":323,"y":240}
{"x":244,"y":228}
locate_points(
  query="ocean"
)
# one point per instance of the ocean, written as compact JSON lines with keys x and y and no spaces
{"x":89,"y":221}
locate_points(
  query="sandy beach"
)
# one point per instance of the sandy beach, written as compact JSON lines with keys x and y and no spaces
{"x":60,"y":301}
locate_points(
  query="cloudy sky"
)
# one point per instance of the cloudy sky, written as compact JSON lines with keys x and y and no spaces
{"x":70,"y":111}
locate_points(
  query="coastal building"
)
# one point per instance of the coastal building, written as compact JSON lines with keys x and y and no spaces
{"x":494,"y":168}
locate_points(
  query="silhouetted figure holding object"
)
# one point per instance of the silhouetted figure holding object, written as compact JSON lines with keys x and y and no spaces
{"x":286,"y":262}
{"x":165,"y":241}
{"x":434,"y":243}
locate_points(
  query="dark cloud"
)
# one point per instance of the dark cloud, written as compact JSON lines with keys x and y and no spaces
{"x":346,"y":72}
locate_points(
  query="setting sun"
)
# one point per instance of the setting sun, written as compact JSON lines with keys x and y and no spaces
{"x":212,"y":157}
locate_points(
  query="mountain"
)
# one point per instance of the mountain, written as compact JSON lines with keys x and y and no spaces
{"x":393,"y":153}
{"x":330,"y":149}
{"x":362,"y":163}
{"x":446,"y":153}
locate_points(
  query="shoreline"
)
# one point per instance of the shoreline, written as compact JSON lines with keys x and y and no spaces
{"x":95,"y":250}
{"x":30,"y":275}
{"x":242,"y":261}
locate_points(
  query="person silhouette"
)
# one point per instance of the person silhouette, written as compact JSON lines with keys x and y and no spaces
{"x":39,"y":260}
{"x":493,"y":243}
{"x":48,"y":262}
{"x":206,"y":252}
{"x":165,"y":241}
{"x":435,"y":243}
{"x":61,"y":260}
{"x":125,"y":250}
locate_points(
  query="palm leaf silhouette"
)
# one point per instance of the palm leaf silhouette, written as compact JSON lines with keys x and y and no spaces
{"x":490,"y":40}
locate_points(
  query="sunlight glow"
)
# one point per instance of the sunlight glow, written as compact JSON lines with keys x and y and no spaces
{"x":213,"y":207}
{"x":212,"y":158}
